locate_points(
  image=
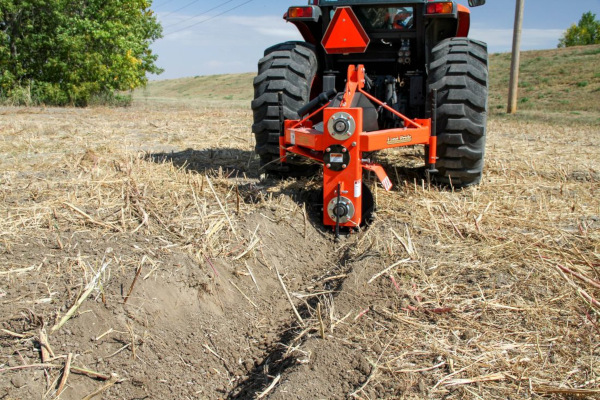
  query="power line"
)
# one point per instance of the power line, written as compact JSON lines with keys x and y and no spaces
{"x":181,"y":8}
{"x":197,"y":15}
{"x":209,"y":18}
{"x":165,"y":3}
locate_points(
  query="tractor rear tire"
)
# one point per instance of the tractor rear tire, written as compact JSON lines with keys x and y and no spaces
{"x":458,"y":69}
{"x":289,"y":68}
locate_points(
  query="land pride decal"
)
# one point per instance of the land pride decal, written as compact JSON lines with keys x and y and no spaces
{"x":399,"y":139}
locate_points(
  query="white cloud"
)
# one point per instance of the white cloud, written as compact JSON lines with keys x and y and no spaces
{"x":228,"y":44}
{"x":233,"y":44}
{"x":230,"y":27}
{"x":223,"y":64}
{"x":266,"y":31}
{"x":500,"y":40}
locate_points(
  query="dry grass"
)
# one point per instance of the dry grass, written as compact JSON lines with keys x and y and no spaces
{"x":480,"y":303}
{"x":485,"y":299}
{"x":83,"y":188}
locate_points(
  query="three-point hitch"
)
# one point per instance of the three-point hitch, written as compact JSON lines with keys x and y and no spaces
{"x":340,"y":141}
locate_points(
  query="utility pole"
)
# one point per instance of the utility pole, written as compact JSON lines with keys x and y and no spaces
{"x":516,"y":56}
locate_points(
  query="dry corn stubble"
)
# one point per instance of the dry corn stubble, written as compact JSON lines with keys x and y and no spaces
{"x":481,"y":306}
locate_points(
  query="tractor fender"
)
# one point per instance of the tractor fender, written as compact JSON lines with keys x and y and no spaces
{"x":464,"y":21}
{"x":305,"y":31}
{"x":302,"y":24}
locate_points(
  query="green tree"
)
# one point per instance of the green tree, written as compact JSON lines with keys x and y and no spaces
{"x":69,"y":51}
{"x":587,"y":31}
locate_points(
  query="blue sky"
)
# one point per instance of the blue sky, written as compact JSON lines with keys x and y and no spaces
{"x":203,"y":37}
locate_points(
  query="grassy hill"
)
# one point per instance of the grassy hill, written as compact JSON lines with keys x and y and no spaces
{"x":558,"y":80}
{"x":207,"y":87}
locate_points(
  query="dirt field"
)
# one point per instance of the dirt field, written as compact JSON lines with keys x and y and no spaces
{"x":142,"y":257}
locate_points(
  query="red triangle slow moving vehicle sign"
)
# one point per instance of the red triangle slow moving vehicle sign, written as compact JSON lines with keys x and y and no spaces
{"x":345,"y":34}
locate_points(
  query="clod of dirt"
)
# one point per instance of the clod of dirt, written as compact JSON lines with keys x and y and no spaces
{"x":18,"y":381}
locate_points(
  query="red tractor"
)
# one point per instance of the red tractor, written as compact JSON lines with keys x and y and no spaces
{"x":372,"y":75}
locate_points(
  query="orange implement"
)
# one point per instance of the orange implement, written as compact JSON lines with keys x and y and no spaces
{"x":340,"y":143}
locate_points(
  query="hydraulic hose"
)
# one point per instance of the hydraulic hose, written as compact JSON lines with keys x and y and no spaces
{"x":318,"y":101}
